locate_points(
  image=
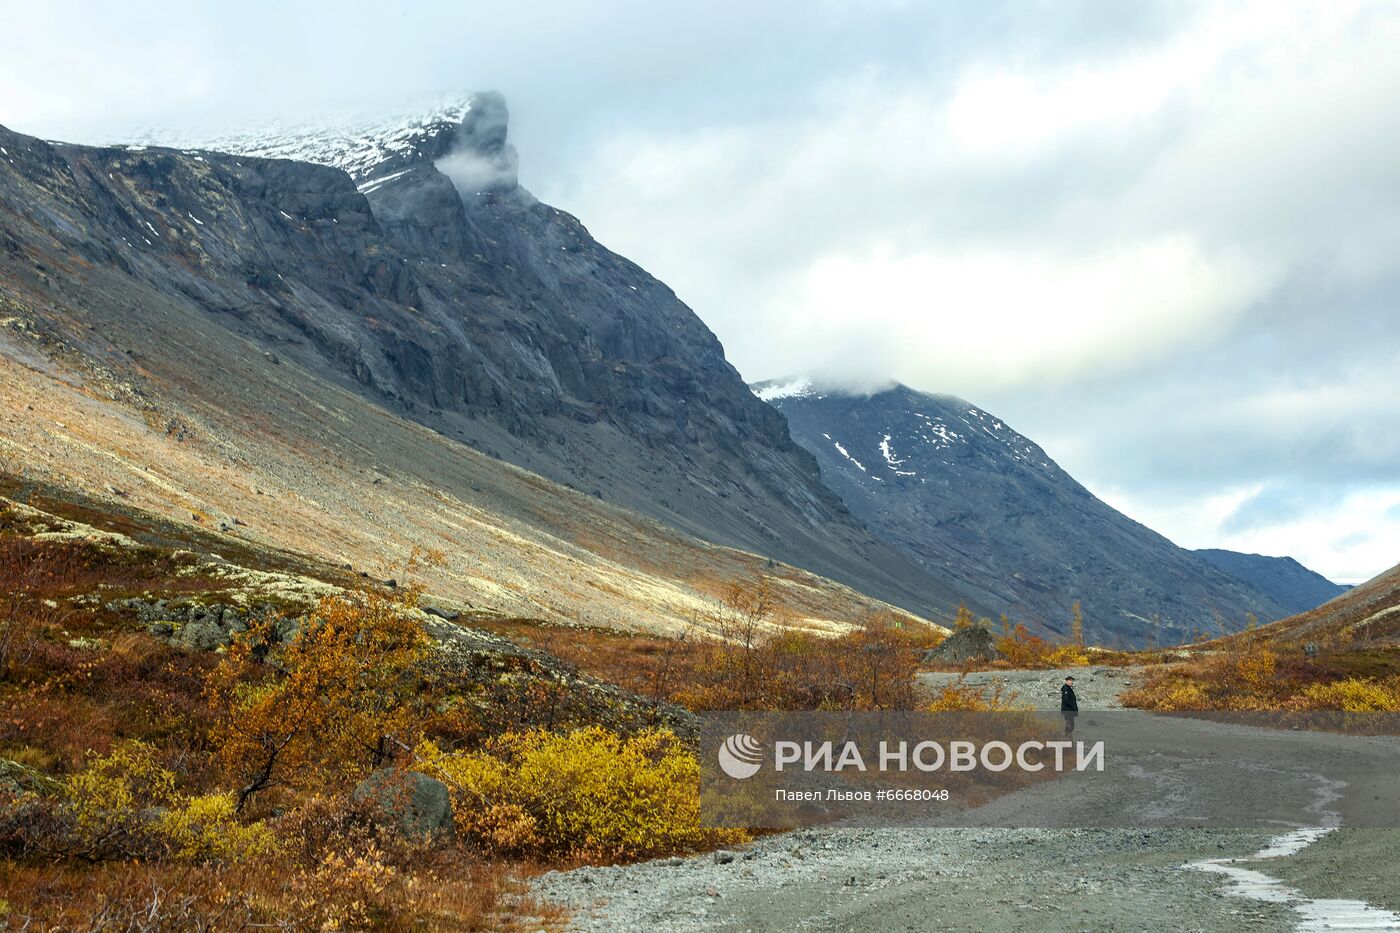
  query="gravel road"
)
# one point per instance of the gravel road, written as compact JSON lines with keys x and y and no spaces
{"x":1151,"y":873}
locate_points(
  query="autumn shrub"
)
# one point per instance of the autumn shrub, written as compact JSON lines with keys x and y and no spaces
{"x":1020,"y":649}
{"x":1256,"y":676}
{"x":1355,"y":695}
{"x":343,"y":697}
{"x":346,"y":870}
{"x":1254,"y":666}
{"x":961,"y":697}
{"x":47,"y":568}
{"x":106,"y":801}
{"x":587,"y":794}
{"x":352,"y":889}
{"x":126,"y":805}
{"x":1168,"y":694}
{"x":743,"y":659}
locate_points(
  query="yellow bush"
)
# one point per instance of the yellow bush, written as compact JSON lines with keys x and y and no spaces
{"x":959,"y":697}
{"x":106,"y":798}
{"x":588,"y":794}
{"x":1183,"y":696}
{"x":1068,"y":656}
{"x":206,"y":827}
{"x":1255,"y":668}
{"x":1168,"y":694}
{"x":1356,"y":696}
{"x":350,"y":890}
{"x":126,"y":795}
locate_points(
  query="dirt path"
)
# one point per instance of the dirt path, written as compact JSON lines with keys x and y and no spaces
{"x":1001,"y":879}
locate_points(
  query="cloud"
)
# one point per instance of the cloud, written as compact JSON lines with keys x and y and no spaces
{"x":1173,"y":261}
{"x":1125,"y":207}
{"x":1012,"y":316}
{"x":1276,"y":504}
{"x":1162,"y":239}
{"x":481,"y":159}
{"x":1338,"y":537}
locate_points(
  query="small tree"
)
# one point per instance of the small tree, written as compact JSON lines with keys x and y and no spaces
{"x":1076,"y":624}
{"x":742,"y":621}
{"x":337,"y":700}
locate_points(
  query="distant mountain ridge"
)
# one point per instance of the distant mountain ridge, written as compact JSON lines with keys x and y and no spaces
{"x":1366,"y":614}
{"x":1291,"y":585}
{"x":957,"y":488}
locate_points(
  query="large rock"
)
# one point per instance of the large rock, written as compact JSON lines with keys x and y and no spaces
{"x":973,"y":643}
{"x":204,"y":627}
{"x":17,"y":779}
{"x":417,"y":805}
{"x":202,"y":634}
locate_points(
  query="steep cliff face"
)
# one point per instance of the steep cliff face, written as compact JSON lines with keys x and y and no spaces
{"x":970,"y":498}
{"x":412,"y":269}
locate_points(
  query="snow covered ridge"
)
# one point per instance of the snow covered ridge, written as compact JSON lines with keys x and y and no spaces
{"x":355,"y":144}
{"x":793,"y":388}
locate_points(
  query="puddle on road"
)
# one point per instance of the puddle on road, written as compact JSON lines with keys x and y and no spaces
{"x":1315,"y":915}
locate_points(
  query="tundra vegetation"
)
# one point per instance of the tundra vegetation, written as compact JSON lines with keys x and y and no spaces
{"x":149,"y":785}
{"x":145,"y":784}
{"x":1250,"y":672}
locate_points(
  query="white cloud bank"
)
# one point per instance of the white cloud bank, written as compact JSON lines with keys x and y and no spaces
{"x":1198,"y":234}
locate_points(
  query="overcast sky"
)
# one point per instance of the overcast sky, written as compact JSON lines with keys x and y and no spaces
{"x":1162,"y":240}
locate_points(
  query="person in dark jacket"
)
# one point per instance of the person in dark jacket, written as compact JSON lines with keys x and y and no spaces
{"x":1069,"y":705}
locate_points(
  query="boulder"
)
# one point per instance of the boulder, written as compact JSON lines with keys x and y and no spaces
{"x":203,"y":634}
{"x":973,"y":643}
{"x":17,"y":779}
{"x":447,"y":614}
{"x":419,"y":806}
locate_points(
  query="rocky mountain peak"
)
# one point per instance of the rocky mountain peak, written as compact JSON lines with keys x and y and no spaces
{"x":966,"y":495}
{"x":406,"y":267}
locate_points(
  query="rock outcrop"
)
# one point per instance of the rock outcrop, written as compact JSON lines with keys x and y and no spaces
{"x":973,"y":643}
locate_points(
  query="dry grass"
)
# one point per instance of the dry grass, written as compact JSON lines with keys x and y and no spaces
{"x":449,"y":893}
{"x":1254,"y":674}
{"x":735,"y":658}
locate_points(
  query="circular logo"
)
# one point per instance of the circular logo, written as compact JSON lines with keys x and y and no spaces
{"x":741,"y":756}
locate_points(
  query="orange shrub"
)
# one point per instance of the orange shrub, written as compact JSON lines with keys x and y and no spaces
{"x":341,"y":699}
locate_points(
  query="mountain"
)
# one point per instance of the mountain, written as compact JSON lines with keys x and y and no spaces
{"x":1287,"y":582}
{"x":968,"y":497}
{"x":397,"y":313}
{"x":1365,"y":614}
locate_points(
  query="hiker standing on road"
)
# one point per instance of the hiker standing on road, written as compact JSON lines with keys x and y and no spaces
{"x":1069,"y":705}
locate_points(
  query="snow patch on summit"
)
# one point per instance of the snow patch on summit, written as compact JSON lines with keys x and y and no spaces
{"x":796,"y":388}
{"x":356,"y":144}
